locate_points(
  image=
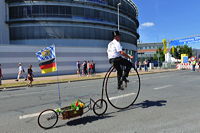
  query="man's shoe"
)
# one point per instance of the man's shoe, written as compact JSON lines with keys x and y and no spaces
{"x":120,"y":88}
{"x":125,"y":80}
{"x":16,"y":80}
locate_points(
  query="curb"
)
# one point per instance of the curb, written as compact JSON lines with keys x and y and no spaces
{"x":76,"y":80}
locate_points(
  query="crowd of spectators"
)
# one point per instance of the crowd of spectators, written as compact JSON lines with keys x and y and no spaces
{"x":85,"y":68}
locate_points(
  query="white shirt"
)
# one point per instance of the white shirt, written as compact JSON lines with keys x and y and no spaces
{"x":114,"y":49}
{"x":20,"y":69}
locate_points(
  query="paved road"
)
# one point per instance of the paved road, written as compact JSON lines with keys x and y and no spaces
{"x":168,"y":103}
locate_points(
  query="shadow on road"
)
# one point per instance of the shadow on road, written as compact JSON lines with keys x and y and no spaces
{"x":145,"y":104}
{"x":148,"y":103}
{"x":84,"y":120}
{"x":40,"y":85}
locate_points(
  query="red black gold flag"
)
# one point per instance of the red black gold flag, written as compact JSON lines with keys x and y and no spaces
{"x":48,"y":66}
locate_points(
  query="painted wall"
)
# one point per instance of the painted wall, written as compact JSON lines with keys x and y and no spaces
{"x":4,"y":30}
{"x":11,"y":55}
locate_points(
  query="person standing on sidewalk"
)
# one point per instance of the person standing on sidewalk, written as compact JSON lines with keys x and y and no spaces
{"x":145,"y":65}
{"x":1,"y":75}
{"x":30,"y":75}
{"x":21,"y":72}
{"x":78,"y":68}
{"x":93,"y":67}
{"x":140,"y":65}
{"x":199,"y":64}
{"x":88,"y":68}
{"x":193,"y":64}
{"x":84,"y":70}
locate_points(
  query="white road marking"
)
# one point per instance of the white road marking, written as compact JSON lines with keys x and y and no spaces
{"x":157,"y":77}
{"x":28,"y":116}
{"x":125,"y":95}
{"x":162,"y":87}
{"x":32,"y":115}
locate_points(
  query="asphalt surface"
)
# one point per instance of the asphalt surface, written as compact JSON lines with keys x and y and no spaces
{"x":168,"y":103}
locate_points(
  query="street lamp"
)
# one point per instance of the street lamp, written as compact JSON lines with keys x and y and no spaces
{"x":119,"y":4}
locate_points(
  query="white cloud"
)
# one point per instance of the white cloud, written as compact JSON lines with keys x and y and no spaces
{"x":147,"y":24}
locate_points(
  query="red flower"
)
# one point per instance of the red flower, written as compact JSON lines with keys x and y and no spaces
{"x":77,"y":103}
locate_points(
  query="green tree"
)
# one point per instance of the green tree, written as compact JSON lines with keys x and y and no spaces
{"x":159,"y":54}
{"x":178,"y":50}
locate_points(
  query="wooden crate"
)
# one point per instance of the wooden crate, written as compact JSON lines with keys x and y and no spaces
{"x":70,"y":113}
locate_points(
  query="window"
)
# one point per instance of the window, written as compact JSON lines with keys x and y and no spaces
{"x":68,"y":11}
{"x":68,"y":32}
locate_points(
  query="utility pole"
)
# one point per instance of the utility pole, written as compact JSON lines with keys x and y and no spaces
{"x":119,"y":4}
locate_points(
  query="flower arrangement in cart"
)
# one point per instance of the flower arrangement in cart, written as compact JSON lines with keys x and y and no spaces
{"x":77,"y":105}
{"x":74,"y":106}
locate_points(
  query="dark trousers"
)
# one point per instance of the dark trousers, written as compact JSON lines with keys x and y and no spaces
{"x":193,"y":67}
{"x":118,"y":63}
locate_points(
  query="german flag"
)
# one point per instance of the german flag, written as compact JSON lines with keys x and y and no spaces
{"x":48,"y":66}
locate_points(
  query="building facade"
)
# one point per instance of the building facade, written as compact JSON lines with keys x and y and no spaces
{"x":4,"y":29}
{"x":77,"y":25}
{"x":147,"y":50}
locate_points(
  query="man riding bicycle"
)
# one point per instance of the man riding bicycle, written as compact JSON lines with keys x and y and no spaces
{"x":115,"y":54}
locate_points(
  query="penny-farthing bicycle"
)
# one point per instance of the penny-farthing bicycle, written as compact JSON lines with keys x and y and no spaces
{"x":121,"y":99}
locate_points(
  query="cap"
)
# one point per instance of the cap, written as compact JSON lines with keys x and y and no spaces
{"x":116,"y":33}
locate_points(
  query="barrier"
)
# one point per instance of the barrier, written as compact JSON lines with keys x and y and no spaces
{"x":184,"y":66}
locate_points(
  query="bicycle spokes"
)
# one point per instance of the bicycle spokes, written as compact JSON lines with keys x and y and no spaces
{"x":125,"y":96}
{"x":47,"y":119}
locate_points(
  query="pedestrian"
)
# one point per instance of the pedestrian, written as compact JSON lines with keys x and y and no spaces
{"x":136,"y":65}
{"x":21,"y":72}
{"x":145,"y":65}
{"x":88,"y":68}
{"x":140,"y":65}
{"x":78,"y":68}
{"x":30,"y":75}
{"x":84,"y":70}
{"x":93,"y":67}
{"x":193,"y":64}
{"x":199,"y":64}
{"x":1,"y":75}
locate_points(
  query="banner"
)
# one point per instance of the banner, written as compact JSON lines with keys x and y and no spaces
{"x":46,"y":54}
{"x":48,"y":66}
{"x":190,"y":41}
{"x":47,"y":59}
{"x":164,"y":41}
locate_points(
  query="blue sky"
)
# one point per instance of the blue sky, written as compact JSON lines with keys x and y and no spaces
{"x":170,"y":19}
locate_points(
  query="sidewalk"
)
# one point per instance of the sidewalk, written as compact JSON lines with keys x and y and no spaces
{"x":11,"y":83}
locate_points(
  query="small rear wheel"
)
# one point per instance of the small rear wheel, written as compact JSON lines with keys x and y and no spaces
{"x":47,"y":119}
{"x":100,"y":107}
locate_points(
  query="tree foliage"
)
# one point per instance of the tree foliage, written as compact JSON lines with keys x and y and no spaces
{"x":178,"y":50}
{"x":159,"y":54}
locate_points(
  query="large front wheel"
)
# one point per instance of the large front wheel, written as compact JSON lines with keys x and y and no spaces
{"x":47,"y":119}
{"x":127,"y":95}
